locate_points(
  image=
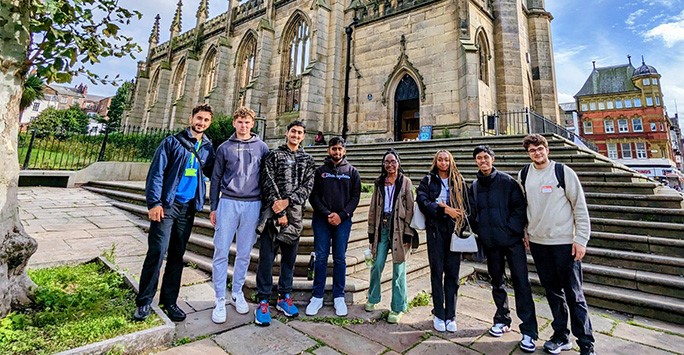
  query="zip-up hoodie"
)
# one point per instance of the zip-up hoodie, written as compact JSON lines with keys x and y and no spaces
{"x":236,"y":170}
{"x":337,"y":188}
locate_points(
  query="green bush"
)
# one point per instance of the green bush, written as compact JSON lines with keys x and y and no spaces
{"x":74,"y":306}
{"x":221,"y":129}
{"x":60,"y":123}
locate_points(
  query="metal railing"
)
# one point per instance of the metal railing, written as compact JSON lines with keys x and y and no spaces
{"x":526,"y":122}
{"x":45,"y":150}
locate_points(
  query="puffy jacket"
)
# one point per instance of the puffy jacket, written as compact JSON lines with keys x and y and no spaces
{"x":499,"y":210}
{"x":236,"y":170}
{"x":337,"y":188}
{"x":286,"y":175}
{"x":168,"y":166}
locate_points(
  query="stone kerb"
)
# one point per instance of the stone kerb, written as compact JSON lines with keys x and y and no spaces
{"x":132,"y":343}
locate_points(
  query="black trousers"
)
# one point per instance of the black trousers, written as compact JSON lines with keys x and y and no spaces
{"x":524,"y":305}
{"x":444,"y":269}
{"x":170,"y":235}
{"x":268,"y":246}
{"x":561,"y":277}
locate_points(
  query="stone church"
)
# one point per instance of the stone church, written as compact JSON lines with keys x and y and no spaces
{"x":400,"y":64}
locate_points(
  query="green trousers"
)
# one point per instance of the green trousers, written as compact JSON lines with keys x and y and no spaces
{"x":399,"y":298}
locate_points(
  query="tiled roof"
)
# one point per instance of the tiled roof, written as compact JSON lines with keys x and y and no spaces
{"x":568,"y":106}
{"x":609,"y":80}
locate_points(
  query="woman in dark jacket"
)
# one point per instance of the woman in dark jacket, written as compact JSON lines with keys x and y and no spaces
{"x":389,"y":216}
{"x":442,"y":197}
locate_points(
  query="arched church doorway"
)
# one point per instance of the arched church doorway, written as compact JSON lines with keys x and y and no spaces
{"x":406,"y":109}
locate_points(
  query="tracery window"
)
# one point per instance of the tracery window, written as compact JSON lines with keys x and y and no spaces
{"x":296,"y":53}
{"x":245,"y":67}
{"x":483,"y":57}
{"x":209,"y":72}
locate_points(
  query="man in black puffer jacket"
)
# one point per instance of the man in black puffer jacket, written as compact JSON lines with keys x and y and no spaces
{"x":499,"y":216}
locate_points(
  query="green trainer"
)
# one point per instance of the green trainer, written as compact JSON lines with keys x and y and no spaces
{"x":394,"y":317}
{"x":369,"y":307}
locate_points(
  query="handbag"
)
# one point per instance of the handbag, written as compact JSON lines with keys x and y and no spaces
{"x":464,"y":245}
{"x":418,"y":220}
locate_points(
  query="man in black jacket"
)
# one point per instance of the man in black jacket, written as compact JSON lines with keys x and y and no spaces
{"x":287,"y":177}
{"x":336,"y":193}
{"x":499,"y":216}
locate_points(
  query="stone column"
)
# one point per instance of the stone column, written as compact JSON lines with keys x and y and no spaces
{"x":508,"y":62}
{"x":541,"y":60}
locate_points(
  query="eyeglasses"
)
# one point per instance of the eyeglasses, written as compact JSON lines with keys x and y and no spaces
{"x":390,"y":162}
{"x":536,"y":150}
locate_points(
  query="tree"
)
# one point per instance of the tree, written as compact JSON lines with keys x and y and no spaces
{"x":33,"y":90}
{"x":52,"y":121}
{"x":120,"y":103}
{"x":56,"y":38}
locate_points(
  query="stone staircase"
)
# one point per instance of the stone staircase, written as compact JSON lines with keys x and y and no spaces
{"x":635,"y":258}
{"x":129,"y":196}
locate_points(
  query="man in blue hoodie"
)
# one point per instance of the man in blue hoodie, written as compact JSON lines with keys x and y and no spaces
{"x":174,"y":191}
{"x":336,"y":193}
{"x":236,"y":213}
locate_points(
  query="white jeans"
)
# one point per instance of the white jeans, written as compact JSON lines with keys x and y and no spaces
{"x":233,"y":217}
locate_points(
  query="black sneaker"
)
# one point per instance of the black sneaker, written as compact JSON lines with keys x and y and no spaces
{"x":142,"y":312}
{"x":556,"y":345}
{"x":174,"y":312}
{"x":587,"y":349}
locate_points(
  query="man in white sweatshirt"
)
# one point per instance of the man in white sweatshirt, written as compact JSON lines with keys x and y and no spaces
{"x":557,"y":236}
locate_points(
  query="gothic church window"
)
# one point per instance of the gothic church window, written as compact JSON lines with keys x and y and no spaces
{"x":153,"y":91}
{"x":483,"y":57}
{"x":209,"y":72}
{"x":179,"y":81}
{"x":245,"y":69}
{"x":297,"y":45}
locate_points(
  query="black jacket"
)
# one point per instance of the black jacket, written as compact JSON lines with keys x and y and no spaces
{"x":427,"y":194}
{"x":286,"y":175}
{"x":499,"y":211}
{"x":336,"y":189}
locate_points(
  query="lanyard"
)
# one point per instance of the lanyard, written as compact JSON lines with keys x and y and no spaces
{"x":389,"y":191}
{"x":192,"y":155}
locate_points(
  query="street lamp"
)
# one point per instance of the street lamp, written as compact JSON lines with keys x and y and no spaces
{"x":348,"y":30}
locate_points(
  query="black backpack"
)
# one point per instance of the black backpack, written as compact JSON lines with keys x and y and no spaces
{"x":560,"y":174}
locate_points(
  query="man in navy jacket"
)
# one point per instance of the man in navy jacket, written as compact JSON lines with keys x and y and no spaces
{"x":174,"y":191}
{"x":336,"y":193}
{"x":498,"y":217}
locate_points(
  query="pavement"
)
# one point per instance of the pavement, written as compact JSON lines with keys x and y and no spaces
{"x":74,"y":225}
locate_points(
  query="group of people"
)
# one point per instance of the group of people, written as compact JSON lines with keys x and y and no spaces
{"x":257,"y":192}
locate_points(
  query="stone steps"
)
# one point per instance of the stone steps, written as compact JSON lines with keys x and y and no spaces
{"x":638,"y":243}
{"x":646,"y":214}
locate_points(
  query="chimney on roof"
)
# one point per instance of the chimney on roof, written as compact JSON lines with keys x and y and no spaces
{"x":593,"y":63}
{"x":629,"y":58}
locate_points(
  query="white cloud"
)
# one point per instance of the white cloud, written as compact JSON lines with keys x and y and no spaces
{"x":670,"y":32}
{"x":632,"y":18}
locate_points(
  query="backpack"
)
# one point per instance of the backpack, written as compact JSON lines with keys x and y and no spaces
{"x":560,"y":174}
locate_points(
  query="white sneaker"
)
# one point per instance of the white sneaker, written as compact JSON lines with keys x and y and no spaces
{"x":218,"y":315}
{"x":241,"y":305}
{"x":451,"y":325}
{"x":314,"y":306}
{"x":340,"y":307}
{"x":439,"y":324}
{"x":499,"y":329}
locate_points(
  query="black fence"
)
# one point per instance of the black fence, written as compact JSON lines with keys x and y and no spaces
{"x":50,"y":150}
{"x":526,"y":122}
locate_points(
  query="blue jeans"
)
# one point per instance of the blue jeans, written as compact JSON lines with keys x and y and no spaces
{"x":324,"y":233}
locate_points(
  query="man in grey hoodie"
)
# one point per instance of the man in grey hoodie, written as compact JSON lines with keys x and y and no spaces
{"x":236,"y":177}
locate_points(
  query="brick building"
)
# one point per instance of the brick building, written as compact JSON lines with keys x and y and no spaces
{"x":413,"y":64}
{"x":621,"y":110}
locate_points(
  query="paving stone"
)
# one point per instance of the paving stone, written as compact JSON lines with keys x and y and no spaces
{"x":338,"y":338}
{"x":601,"y":324}
{"x":275,"y":339}
{"x":649,"y":337}
{"x":68,"y":226}
{"x":475,"y":308}
{"x":654,"y":323}
{"x":199,"y":296}
{"x":436,"y":345}
{"x":326,"y":351}
{"x":199,"y":324}
{"x":612,"y":345}
{"x":202,"y":347}
{"x":505,"y":344}
{"x":398,"y":337}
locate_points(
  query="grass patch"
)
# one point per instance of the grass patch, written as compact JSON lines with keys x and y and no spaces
{"x":338,"y":321}
{"x":422,"y":299}
{"x":74,"y":306}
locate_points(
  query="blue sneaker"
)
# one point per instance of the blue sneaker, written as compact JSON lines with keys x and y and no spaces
{"x":285,"y":305}
{"x":262,"y":314}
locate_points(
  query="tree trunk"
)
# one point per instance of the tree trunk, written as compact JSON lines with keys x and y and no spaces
{"x":16,"y":247}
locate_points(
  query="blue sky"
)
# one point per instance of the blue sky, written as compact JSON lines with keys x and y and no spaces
{"x":582,"y":30}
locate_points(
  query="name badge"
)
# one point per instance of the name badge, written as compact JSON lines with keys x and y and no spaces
{"x":546,"y":189}
{"x":190,"y":172}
